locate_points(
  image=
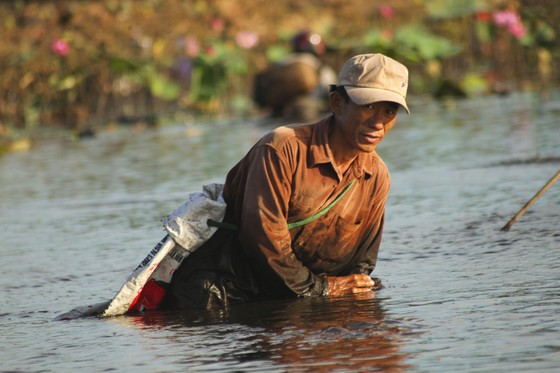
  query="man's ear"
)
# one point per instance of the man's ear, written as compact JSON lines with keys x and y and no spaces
{"x":336,"y":102}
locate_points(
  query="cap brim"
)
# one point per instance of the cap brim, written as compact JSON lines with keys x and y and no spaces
{"x":364,"y":96}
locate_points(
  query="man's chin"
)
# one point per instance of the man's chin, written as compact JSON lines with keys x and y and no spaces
{"x":369,"y":148}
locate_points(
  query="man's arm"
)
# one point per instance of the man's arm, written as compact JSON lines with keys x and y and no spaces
{"x":264,"y":233}
{"x":359,"y":281}
{"x":367,"y":261}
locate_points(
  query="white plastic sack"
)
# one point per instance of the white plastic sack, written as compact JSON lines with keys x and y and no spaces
{"x":188,"y":230}
{"x":187,"y":224}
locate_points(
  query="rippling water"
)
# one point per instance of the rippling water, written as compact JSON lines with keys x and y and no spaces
{"x":459,"y":294}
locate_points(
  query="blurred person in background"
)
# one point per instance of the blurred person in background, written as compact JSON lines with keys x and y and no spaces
{"x":297,"y":87}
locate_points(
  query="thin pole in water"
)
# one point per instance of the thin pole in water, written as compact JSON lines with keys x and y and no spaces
{"x":531,"y":201}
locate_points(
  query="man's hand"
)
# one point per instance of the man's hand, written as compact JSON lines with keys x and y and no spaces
{"x":351,"y":284}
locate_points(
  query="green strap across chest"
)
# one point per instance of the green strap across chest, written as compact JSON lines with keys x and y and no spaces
{"x":323,"y":211}
{"x":233,"y":227}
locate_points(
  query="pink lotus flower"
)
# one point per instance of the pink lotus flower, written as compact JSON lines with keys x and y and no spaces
{"x":510,"y":20}
{"x":192,"y":46}
{"x":246,"y":39}
{"x":386,"y":11}
{"x":217,"y":24}
{"x":517,"y":30}
{"x":505,"y":18}
{"x":60,"y":47}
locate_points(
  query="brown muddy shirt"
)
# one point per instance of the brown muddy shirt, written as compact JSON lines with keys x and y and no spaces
{"x":290,"y":175}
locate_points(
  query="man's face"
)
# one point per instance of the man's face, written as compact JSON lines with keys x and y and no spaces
{"x":364,"y":126}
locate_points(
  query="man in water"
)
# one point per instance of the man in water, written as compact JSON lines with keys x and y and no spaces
{"x":305,"y":206}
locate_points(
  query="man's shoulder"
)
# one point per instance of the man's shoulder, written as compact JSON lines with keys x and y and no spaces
{"x":289,"y":134}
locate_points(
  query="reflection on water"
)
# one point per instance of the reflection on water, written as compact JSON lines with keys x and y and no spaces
{"x":350,"y":334}
{"x":459,"y":295}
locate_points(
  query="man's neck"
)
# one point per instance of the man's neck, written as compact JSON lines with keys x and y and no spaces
{"x":343,"y":156}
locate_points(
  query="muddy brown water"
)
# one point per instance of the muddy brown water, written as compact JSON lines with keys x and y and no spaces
{"x":459,"y":295}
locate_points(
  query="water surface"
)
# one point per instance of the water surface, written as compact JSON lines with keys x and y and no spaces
{"x":459,"y":295}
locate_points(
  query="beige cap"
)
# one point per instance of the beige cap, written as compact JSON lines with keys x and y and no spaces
{"x":374,"y":77}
